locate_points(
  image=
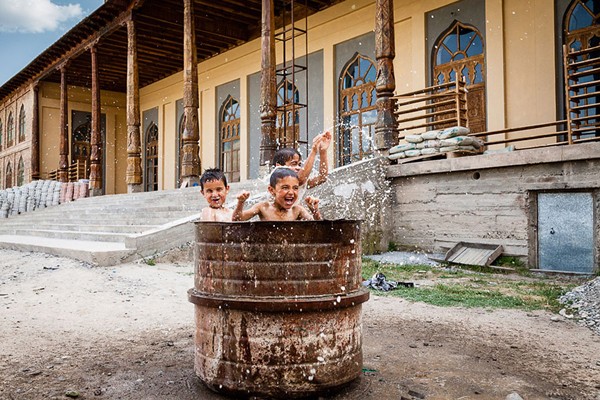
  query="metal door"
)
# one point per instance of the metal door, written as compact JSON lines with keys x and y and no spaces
{"x":565,"y":232}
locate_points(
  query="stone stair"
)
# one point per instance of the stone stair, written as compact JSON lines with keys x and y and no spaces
{"x":108,"y":230}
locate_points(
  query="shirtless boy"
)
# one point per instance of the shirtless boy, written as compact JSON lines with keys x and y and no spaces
{"x":283,"y":186}
{"x":291,"y":158}
{"x":214,"y":188}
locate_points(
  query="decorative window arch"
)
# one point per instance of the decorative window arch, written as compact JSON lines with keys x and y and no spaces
{"x":81,"y":144}
{"x":229,"y":139}
{"x":180,"y":128}
{"x":22,"y":124}
{"x":151,"y":158}
{"x":8,"y":178}
{"x":288,"y":114}
{"x":10,"y":130}
{"x":581,"y":31}
{"x":581,"y":25}
{"x":20,"y":172}
{"x":357,"y":109}
{"x":459,"y":54}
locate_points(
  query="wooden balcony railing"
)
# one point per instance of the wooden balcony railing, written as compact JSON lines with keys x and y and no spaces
{"x":77,"y":170}
{"x":434,"y":107}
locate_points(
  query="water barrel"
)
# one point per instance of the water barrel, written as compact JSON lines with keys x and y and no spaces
{"x":278,"y":307}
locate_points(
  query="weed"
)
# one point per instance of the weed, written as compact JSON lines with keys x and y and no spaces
{"x":150,"y":261}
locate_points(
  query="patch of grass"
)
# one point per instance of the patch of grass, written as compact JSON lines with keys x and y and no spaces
{"x":471,"y":288}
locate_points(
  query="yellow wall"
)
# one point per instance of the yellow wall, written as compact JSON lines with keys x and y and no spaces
{"x":520,"y":78}
{"x":112,"y":105}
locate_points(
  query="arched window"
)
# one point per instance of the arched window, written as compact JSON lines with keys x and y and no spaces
{"x":358,"y":113}
{"x":180,"y":128}
{"x":288,"y":114}
{"x":21,"y":172}
{"x":581,"y":32}
{"x":1,"y":133}
{"x":81,"y":145}
{"x":9,"y":181}
{"x":10,"y":130}
{"x":459,"y":53}
{"x":152,"y":158}
{"x":22,"y":124}
{"x":230,"y":139}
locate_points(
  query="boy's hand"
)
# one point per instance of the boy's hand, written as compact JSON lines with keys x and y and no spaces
{"x":313,"y":206}
{"x":242,"y":197}
{"x":325,"y":141}
{"x":312,"y":203}
{"x":316,"y":144}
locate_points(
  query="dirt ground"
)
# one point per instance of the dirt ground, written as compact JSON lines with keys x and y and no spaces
{"x":71,"y":330}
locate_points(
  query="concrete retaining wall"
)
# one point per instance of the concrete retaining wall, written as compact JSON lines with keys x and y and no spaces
{"x":488,"y":198}
{"x":360,"y":191}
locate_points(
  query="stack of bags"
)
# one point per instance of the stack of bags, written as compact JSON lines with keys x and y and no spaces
{"x":437,"y":142}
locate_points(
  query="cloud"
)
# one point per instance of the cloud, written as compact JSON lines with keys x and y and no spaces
{"x":35,"y":16}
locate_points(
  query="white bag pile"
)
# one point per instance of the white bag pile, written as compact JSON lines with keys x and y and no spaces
{"x":36,"y":194}
{"x":437,"y":142}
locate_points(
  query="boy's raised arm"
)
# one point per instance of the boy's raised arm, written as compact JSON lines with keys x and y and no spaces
{"x":239,"y":214}
{"x":307,"y":166}
{"x":323,"y":162}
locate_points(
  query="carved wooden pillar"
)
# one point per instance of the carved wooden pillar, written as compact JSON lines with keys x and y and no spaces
{"x":96,"y":139}
{"x":63,"y":164}
{"x":35,"y":134}
{"x":268,"y":85}
{"x":190,"y":163}
{"x":133,"y":175}
{"x":386,"y":128}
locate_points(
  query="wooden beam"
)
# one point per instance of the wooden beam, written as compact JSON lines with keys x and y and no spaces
{"x":268,"y":86}
{"x":63,"y":164}
{"x":190,"y":164}
{"x":133,"y":174}
{"x":96,"y":137}
{"x":386,"y":128}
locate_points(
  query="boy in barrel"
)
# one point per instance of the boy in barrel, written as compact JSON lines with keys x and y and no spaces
{"x":214,"y":188}
{"x":283,"y":186}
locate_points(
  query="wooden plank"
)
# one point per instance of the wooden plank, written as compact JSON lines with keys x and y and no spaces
{"x":473,"y":253}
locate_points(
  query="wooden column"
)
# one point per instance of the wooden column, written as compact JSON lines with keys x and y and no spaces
{"x":63,"y":164}
{"x":268,"y":85}
{"x":386,"y":128}
{"x":35,"y":134}
{"x":133,"y":174}
{"x":96,"y":139}
{"x":190,"y":163}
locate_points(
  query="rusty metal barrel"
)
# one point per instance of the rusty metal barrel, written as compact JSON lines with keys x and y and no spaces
{"x":278,"y":307}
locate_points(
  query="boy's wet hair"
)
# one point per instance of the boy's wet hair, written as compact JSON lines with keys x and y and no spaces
{"x":280,"y":173}
{"x":212,"y":174}
{"x":284,"y":155}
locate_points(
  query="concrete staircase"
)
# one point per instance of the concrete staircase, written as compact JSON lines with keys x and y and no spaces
{"x":108,"y":230}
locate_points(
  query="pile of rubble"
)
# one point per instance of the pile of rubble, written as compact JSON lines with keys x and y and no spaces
{"x":39,"y":194}
{"x":583,"y":303}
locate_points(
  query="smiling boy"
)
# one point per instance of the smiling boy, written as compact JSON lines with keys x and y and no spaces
{"x":283,"y":186}
{"x":214,"y":188}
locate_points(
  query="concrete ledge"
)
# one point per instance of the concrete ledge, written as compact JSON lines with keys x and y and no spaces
{"x":576,"y":152}
{"x":98,"y":253}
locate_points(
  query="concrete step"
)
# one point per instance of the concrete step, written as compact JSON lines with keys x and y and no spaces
{"x":108,"y":227}
{"x":108,"y":230}
{"x":73,"y":235}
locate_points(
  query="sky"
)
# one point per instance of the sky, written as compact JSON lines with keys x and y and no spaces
{"x":28,"y":27}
